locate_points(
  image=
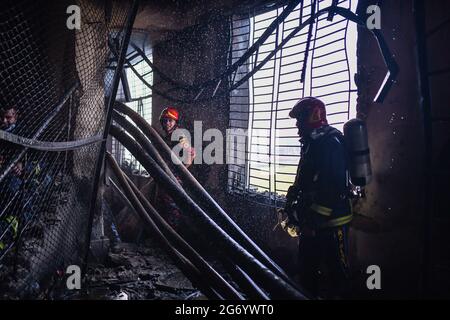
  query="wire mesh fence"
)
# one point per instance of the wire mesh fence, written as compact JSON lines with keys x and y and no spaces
{"x":53,"y":84}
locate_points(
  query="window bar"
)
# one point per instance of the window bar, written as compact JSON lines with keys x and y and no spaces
{"x":333,"y":32}
{"x":230,"y":47}
{"x":292,"y":4}
{"x":332,"y":24}
{"x":251,"y":105}
{"x":271,"y":168}
{"x":240,"y":179}
{"x":331,"y":84}
{"x":308,"y":42}
{"x":348,"y":65}
{"x":329,"y":63}
{"x":300,"y":17}
{"x":331,"y":14}
{"x":329,"y":43}
{"x":276,"y":111}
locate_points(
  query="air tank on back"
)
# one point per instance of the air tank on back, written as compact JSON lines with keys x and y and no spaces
{"x":356,"y":139}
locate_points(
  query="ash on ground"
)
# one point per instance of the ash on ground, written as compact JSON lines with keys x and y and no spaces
{"x":137,"y":272}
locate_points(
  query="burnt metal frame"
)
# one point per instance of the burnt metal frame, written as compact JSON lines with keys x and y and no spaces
{"x":216,"y":82}
{"x":349,"y":15}
{"x":231,"y":72}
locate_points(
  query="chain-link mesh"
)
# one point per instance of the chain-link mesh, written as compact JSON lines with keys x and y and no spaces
{"x":53,"y":87}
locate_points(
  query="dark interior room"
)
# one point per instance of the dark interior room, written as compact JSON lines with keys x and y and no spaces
{"x":224,"y":150}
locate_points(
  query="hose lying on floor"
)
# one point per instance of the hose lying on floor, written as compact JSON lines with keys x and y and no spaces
{"x":244,"y":282}
{"x":201,"y":194}
{"x":181,"y":245}
{"x":156,"y":224}
{"x":276,"y":286}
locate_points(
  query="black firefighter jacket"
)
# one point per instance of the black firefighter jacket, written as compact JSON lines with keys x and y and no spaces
{"x":322,"y":181}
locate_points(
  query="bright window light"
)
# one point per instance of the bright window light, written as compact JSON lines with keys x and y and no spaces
{"x":273,"y":149}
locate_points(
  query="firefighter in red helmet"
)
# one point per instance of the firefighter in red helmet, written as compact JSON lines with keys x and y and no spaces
{"x":318,"y":206}
{"x":170,"y":120}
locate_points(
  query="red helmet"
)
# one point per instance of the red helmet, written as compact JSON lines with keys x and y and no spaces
{"x":310,"y":112}
{"x":170,"y":113}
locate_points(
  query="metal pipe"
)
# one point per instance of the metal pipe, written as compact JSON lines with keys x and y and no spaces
{"x":197,"y":280}
{"x":273,"y":283}
{"x":210,"y":292}
{"x":201,"y":193}
{"x":180,"y":260}
{"x":120,"y":193}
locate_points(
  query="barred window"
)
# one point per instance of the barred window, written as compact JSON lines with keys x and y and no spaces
{"x":260,"y":106}
{"x":135,"y":94}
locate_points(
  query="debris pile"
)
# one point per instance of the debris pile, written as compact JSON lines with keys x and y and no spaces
{"x":133,"y":272}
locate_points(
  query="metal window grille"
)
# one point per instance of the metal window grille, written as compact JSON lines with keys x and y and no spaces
{"x":260,"y":106}
{"x":135,"y":94}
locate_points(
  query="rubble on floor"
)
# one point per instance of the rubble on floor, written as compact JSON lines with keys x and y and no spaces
{"x":132,"y":272}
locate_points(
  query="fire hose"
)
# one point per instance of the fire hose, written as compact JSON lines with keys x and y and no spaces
{"x":201,"y":194}
{"x":191,"y":269}
{"x":245,"y":283}
{"x":252,"y":266}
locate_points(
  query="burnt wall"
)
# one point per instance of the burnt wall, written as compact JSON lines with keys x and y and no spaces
{"x":393,"y":199}
{"x":437,"y":29}
{"x":197,"y":54}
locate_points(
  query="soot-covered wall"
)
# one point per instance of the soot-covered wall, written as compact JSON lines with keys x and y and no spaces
{"x":192,"y":56}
